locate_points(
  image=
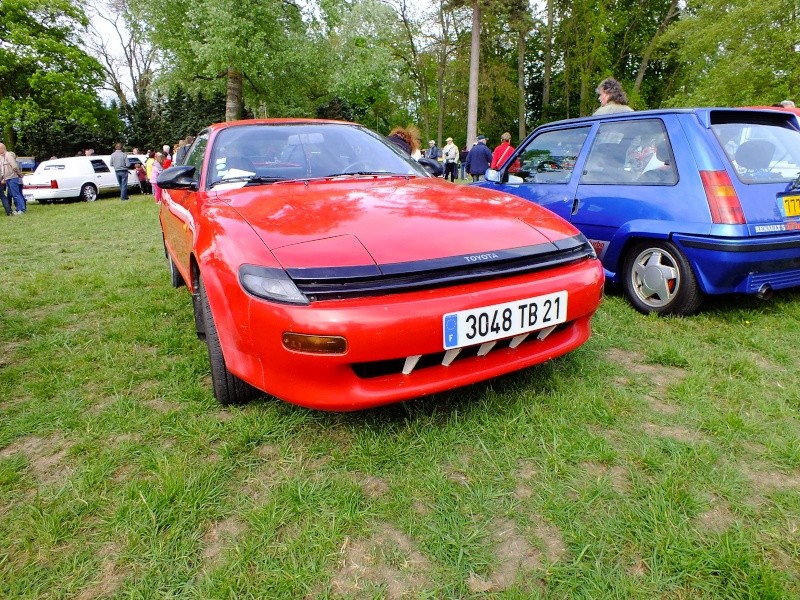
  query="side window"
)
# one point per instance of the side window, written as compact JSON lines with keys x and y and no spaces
{"x":194,"y":157}
{"x":551,"y":156}
{"x":631,"y":152}
{"x":100,"y":166}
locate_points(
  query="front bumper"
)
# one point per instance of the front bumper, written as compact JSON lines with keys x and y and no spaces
{"x":382,"y":332}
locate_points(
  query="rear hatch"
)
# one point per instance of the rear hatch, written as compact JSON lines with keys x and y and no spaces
{"x":762,"y":149}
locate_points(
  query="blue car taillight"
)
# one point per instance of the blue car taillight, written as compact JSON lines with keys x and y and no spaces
{"x":722,"y":198}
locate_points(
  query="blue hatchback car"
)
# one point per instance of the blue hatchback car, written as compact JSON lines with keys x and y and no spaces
{"x":677,"y":203}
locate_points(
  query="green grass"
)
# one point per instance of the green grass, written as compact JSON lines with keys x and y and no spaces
{"x":660,"y":460}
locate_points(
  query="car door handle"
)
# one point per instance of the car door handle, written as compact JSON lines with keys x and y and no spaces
{"x":575,"y":204}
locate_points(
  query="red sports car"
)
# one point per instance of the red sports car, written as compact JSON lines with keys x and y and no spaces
{"x":327,"y":268}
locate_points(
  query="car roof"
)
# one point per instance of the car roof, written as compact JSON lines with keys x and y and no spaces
{"x":217,"y":126}
{"x":703,"y":113}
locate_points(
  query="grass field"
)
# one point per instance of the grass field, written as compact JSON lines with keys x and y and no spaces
{"x":660,"y":460}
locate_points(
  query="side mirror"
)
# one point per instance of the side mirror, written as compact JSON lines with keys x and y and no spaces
{"x":180,"y":177}
{"x":492,"y":175}
{"x":434,"y":167}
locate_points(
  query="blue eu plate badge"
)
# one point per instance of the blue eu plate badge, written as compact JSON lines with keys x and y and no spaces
{"x":450,"y":330}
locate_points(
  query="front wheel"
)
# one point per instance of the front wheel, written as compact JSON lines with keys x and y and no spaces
{"x":228,"y":388}
{"x":88,"y":192}
{"x":657,"y":278}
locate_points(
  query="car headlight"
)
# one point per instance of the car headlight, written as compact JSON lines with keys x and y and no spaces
{"x":270,"y":284}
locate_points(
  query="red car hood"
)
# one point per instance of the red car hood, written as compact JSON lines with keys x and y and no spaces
{"x":386,"y":220}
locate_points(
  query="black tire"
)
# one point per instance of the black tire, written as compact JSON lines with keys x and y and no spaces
{"x":176,"y":279}
{"x":657,"y":278}
{"x":228,"y":388}
{"x":88,"y":192}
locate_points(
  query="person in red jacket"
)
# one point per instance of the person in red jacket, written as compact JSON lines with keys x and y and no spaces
{"x":503,"y":151}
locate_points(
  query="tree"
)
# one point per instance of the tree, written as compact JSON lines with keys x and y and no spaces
{"x":120,"y":42}
{"x":47,"y":82}
{"x":735,"y":53}
{"x":247,"y":44}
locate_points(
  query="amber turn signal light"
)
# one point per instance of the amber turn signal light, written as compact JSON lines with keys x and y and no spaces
{"x":314,"y":344}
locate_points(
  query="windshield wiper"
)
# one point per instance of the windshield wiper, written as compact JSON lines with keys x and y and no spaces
{"x":362,"y":173}
{"x":248,"y":179}
{"x":795,"y":184}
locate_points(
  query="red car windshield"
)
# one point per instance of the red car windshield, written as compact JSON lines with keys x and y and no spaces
{"x":267,"y":153}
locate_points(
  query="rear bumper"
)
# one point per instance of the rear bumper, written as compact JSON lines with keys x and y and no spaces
{"x":743,"y":265}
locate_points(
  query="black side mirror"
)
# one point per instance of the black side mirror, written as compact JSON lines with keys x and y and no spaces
{"x":180,"y":177}
{"x":434,"y":167}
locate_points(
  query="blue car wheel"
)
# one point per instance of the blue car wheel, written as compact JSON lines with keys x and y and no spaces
{"x":657,"y":278}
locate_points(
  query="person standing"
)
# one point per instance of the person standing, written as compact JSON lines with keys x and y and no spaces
{"x":119,"y":162}
{"x":180,"y":155}
{"x":479,"y":159}
{"x":11,"y":178}
{"x":432,"y":151}
{"x":502,"y":152}
{"x":611,"y":97}
{"x":450,"y":156}
{"x":158,"y":166}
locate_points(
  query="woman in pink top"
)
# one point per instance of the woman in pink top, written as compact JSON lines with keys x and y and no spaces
{"x":158,"y":166}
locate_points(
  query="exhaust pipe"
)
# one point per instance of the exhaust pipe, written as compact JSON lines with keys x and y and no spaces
{"x":764,"y":292}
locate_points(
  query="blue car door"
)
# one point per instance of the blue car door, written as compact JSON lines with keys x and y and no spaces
{"x":629,"y":181}
{"x":545,"y":169}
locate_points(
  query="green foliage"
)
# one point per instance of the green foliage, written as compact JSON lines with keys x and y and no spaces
{"x":47,"y":82}
{"x":736,"y":53}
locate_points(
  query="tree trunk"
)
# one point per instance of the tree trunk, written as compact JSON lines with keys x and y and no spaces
{"x":233,"y":100}
{"x":548,"y":57}
{"x":521,"y":83}
{"x":672,"y":12}
{"x":474,"y":69}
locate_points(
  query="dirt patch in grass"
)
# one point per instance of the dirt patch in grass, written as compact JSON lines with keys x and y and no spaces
{"x":662,"y":407}
{"x":457,"y":476}
{"x":160,"y":406}
{"x":373,"y":487}
{"x":7,"y":351}
{"x":681,"y":434}
{"x":658,"y":377}
{"x":47,"y":457}
{"x":718,"y":518}
{"x":525,"y":473}
{"x":766,"y":479}
{"x":517,"y":559}
{"x":616,"y":474}
{"x":387,"y":564}
{"x":111,"y":577}
{"x":220,"y":536}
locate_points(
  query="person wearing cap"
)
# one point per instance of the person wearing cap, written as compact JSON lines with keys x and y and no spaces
{"x":432,"y":151}
{"x":450,"y":156}
{"x":479,"y":159}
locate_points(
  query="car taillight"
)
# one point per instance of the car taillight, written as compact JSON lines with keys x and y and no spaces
{"x":53,"y":184}
{"x":722,"y":199}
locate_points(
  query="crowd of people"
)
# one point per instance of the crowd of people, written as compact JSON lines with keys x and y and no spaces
{"x":470,"y":162}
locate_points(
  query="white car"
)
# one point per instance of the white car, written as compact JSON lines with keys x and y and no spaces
{"x":84,"y":177}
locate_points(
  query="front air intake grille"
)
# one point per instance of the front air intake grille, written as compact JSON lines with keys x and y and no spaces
{"x":349,"y":282}
{"x":381,"y":368}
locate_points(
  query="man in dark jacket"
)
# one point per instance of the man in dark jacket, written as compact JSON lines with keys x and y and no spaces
{"x":479,"y":159}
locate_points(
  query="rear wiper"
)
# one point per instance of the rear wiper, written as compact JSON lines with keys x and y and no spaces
{"x":795,"y":184}
{"x":248,"y":179}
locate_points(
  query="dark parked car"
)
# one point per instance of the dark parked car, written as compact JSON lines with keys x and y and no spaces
{"x":678,"y":203}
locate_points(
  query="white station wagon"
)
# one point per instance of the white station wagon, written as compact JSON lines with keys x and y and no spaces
{"x":84,"y":177}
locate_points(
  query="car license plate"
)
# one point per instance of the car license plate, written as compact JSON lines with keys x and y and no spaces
{"x":489,"y":323}
{"x":791,"y":206}
{"x":28,"y":197}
